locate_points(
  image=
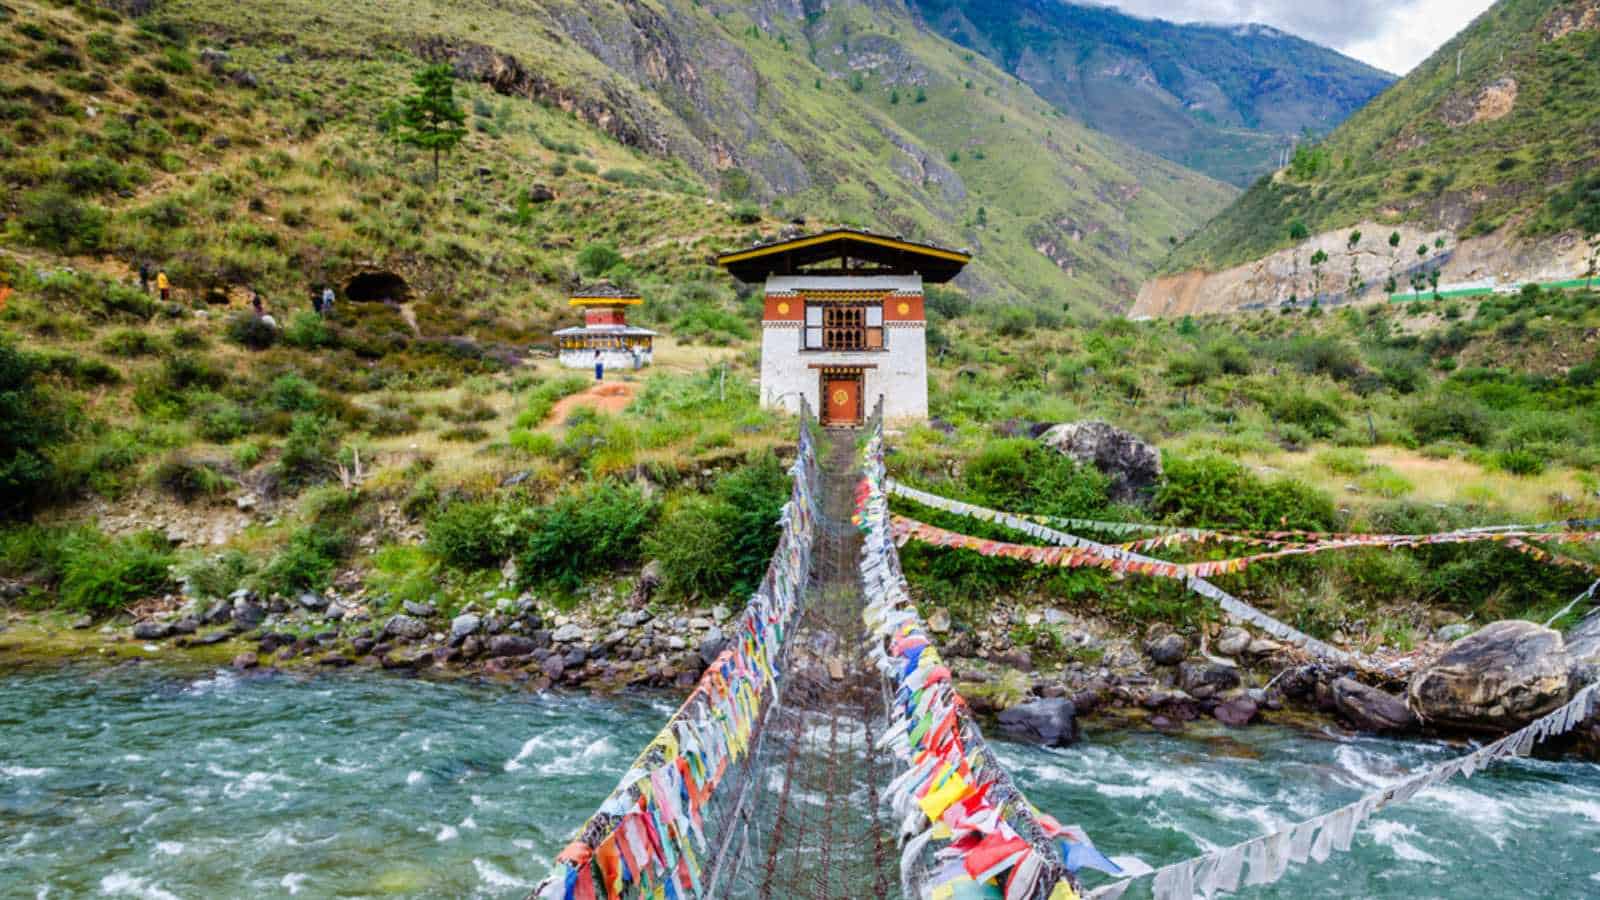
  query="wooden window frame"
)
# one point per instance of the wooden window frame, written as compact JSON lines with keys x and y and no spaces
{"x":843,"y":328}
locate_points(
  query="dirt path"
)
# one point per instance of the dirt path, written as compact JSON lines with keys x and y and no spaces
{"x":607,"y":397}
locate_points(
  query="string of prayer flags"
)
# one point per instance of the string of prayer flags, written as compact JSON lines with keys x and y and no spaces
{"x":953,"y":795}
{"x":1268,"y":857}
{"x":642,"y":841}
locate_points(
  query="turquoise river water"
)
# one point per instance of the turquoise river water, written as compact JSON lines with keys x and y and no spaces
{"x":162,"y":783}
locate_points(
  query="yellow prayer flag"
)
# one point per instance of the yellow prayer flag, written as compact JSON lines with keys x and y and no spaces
{"x":936,"y":801}
{"x":1063,"y":891}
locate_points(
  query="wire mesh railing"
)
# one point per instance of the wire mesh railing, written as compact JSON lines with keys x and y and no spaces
{"x":964,"y":824}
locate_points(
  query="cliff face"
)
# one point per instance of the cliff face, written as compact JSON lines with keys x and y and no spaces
{"x":1359,"y":272}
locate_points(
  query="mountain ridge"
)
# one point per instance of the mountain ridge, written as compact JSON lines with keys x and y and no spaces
{"x":1222,"y":99}
{"x":1488,"y":140}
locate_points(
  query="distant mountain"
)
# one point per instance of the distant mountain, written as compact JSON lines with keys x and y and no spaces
{"x":1489,"y":152}
{"x":1223,"y":100}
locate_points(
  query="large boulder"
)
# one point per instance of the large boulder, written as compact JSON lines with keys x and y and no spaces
{"x":1134,"y":465}
{"x":1052,"y":722}
{"x":1202,"y":680}
{"x":406,"y":628}
{"x":1370,"y":709}
{"x":1502,"y":676}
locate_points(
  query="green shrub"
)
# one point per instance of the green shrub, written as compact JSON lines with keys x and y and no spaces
{"x":251,"y":331}
{"x":1318,"y":417}
{"x":33,"y":424}
{"x":291,"y":393}
{"x":1344,"y":461}
{"x":1523,"y":462}
{"x":719,"y":545}
{"x":56,"y":220}
{"x":1020,"y":474}
{"x":217,"y":574}
{"x":106,"y":575}
{"x":308,"y":331}
{"x":598,"y":258}
{"x":1214,"y":491}
{"x":710,"y":325}
{"x":539,"y":444}
{"x":309,"y":452}
{"x":1450,"y":416}
{"x":188,"y":479}
{"x":596,"y":528}
{"x":476,"y":534}
{"x":306,"y":561}
{"x":746,"y":213}
{"x":130,"y":342}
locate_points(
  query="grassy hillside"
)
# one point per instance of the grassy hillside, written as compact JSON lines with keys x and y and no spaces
{"x":1223,"y":100}
{"x":408,"y":450}
{"x":1497,"y":146}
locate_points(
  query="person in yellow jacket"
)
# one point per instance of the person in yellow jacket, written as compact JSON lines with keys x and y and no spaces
{"x":164,"y":286}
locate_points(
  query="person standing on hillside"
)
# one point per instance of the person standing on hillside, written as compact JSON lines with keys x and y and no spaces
{"x":599,"y":367}
{"x":164,"y":286}
{"x":144,"y":276}
{"x":327,"y":301}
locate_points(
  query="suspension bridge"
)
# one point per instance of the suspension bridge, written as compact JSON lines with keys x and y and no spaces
{"x":826,"y":753}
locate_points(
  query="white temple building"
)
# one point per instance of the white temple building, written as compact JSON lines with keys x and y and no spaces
{"x":844,"y":323}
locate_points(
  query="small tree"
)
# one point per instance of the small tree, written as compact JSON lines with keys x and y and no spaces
{"x":1298,"y":231}
{"x":1317,"y":259}
{"x":430,"y":120}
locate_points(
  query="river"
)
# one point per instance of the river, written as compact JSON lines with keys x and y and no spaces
{"x":160,"y":782}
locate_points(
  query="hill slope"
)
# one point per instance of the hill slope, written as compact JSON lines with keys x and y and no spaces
{"x":1483,"y":151}
{"x":1224,"y":100}
{"x":855,"y":114}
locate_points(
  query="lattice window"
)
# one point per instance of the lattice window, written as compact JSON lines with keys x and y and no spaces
{"x":844,"y":326}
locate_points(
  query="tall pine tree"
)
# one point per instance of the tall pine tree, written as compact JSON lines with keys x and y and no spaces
{"x":430,"y":119}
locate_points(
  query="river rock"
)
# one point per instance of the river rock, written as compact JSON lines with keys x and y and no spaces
{"x":1263,"y":647}
{"x":1203,"y":680}
{"x":420,"y":610}
{"x":510,"y":645}
{"x":1505,"y":675}
{"x":1050,"y":722}
{"x":633,"y":618}
{"x":1370,"y":709}
{"x":151,"y":631}
{"x":312,"y":600}
{"x":566,"y":634}
{"x":712,"y":646}
{"x":1233,"y":641}
{"x":248,"y":614}
{"x":1449,"y":634}
{"x":1168,"y":649}
{"x":939,"y":621}
{"x":186,"y":625}
{"x":245,"y":661}
{"x":1133,"y":465}
{"x":406,"y":628}
{"x":1236,"y":712}
{"x":462,"y":626}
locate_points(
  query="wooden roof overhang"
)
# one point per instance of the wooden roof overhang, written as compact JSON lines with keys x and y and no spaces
{"x":857,"y":252}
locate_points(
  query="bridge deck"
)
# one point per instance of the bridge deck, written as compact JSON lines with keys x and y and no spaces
{"x":813,"y":827}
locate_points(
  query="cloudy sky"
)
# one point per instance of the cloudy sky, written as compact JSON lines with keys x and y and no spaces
{"x":1391,"y":34}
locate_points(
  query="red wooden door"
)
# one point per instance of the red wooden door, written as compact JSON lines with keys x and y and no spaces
{"x":841,"y":399}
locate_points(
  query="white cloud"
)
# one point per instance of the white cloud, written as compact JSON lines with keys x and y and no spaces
{"x":1393,"y":35}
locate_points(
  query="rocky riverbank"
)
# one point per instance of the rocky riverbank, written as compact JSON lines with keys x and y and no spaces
{"x":1037,"y":671}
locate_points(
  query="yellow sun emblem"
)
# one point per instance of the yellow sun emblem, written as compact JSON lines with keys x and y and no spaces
{"x":905,"y":308}
{"x":840,"y":397}
{"x":783,"y":309}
